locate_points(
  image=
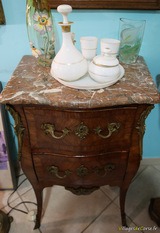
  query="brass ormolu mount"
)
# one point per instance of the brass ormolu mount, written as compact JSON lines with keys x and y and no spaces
{"x":18,"y":128}
{"x":82,"y":190}
{"x":141,"y":125}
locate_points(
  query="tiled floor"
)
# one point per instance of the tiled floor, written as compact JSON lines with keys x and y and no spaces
{"x":95,"y":213}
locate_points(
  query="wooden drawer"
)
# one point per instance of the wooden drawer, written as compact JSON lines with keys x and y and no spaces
{"x":68,"y":171}
{"x":79,"y":132}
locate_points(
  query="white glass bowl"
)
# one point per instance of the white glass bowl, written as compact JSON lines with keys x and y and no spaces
{"x":104,"y":68}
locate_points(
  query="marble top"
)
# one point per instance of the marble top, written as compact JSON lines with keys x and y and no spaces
{"x":33,"y":84}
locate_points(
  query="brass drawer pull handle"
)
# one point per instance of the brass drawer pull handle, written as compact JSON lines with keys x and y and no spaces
{"x":105,"y":170}
{"x":50,"y":129}
{"x":55,"y":171}
{"x":112,"y":127}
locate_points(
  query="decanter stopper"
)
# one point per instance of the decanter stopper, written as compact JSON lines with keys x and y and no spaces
{"x":68,"y":64}
{"x":64,"y":10}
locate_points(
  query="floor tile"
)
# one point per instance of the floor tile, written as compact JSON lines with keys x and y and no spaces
{"x":111,"y":192}
{"x":140,"y":170}
{"x":69,"y":213}
{"x":4,"y":195}
{"x":29,"y":196}
{"x":109,"y":221}
{"x":144,"y":187}
{"x":25,"y":186}
{"x":157,"y":167}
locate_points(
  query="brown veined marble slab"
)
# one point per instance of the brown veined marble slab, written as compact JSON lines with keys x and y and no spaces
{"x":33,"y":84}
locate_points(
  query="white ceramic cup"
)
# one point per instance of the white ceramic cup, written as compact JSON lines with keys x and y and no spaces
{"x":89,"y":46}
{"x":110,"y":46}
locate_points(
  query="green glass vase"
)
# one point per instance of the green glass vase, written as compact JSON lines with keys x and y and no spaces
{"x":40,"y":31}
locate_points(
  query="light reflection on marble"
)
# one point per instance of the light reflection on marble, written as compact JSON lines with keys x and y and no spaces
{"x":32,"y":84}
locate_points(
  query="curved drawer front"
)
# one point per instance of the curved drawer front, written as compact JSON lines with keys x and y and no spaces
{"x":79,"y":132}
{"x":100,"y":170}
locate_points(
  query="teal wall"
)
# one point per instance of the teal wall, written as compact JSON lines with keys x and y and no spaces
{"x":101,"y":23}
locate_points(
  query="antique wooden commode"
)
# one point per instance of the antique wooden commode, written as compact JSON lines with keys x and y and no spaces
{"x":79,"y":139}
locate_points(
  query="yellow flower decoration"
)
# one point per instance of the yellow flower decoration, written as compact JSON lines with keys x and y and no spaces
{"x":43,"y":22}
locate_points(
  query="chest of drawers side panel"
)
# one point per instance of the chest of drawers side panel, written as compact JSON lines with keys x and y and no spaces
{"x":21,"y":130}
{"x":136,"y":147}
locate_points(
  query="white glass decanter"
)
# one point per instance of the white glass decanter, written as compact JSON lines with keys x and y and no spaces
{"x":68,"y":64}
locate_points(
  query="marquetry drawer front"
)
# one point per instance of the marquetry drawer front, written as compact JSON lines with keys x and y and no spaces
{"x":100,"y":170}
{"x":79,"y":132}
